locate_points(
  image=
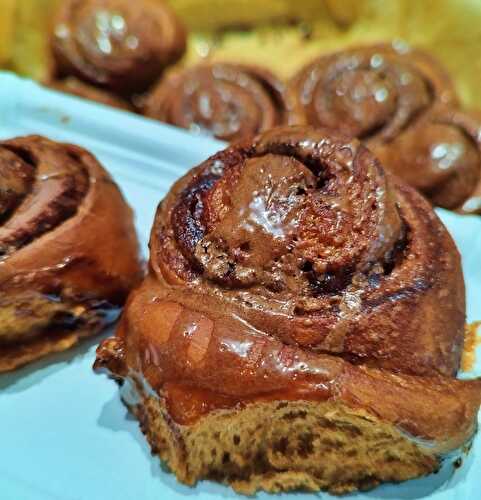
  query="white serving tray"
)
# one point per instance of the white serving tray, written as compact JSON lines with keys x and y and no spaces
{"x":64,"y":434}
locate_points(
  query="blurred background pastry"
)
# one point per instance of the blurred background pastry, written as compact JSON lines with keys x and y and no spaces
{"x":228,"y":101}
{"x":59,"y":281}
{"x":284,"y":35}
{"x":402,"y":103}
{"x":440,"y":155}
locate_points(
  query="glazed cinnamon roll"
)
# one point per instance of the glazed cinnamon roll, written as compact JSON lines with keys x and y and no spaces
{"x":59,"y":281}
{"x":301,"y":304}
{"x":229,"y":101}
{"x":78,"y":88}
{"x":402,"y":104}
{"x":117,"y":44}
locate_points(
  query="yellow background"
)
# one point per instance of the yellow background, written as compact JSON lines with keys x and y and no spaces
{"x":451,"y":29}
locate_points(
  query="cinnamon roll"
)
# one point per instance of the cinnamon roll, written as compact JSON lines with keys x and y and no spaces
{"x":372,"y":93}
{"x":301,"y":324}
{"x":403,"y":105}
{"x":117,"y":44}
{"x":59,"y":281}
{"x":78,"y":88}
{"x":230,"y":102}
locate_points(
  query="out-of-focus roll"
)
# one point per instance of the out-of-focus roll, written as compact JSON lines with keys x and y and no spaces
{"x":59,"y":281}
{"x":74,"y":86}
{"x":229,"y":101}
{"x":373,"y":93}
{"x":440,"y":155}
{"x":117,"y":44}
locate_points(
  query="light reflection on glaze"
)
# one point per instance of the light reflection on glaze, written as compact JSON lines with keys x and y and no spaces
{"x":446,"y":155}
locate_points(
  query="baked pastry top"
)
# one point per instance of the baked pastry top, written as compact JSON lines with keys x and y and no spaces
{"x":300,"y":303}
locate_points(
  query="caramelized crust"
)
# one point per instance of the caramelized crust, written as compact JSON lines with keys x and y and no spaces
{"x":58,"y":280}
{"x":292,"y":269}
{"x":229,"y":101}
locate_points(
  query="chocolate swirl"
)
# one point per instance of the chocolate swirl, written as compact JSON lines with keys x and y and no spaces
{"x":228,"y":101}
{"x":293,"y":268}
{"x":57,"y":278}
{"x":403,"y":105}
{"x":117,"y":44}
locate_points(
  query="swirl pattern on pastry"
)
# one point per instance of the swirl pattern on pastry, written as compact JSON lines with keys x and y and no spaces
{"x":118,"y":44}
{"x":228,"y":101}
{"x":58,"y":280}
{"x":441,"y":157}
{"x":307,"y":226}
{"x":291,"y":272}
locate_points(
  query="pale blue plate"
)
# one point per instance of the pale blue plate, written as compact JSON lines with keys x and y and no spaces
{"x":63,"y":432}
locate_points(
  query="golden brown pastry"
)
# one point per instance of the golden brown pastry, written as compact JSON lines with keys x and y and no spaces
{"x":301,"y":323}
{"x":122,"y":45}
{"x":229,"y":101}
{"x":402,"y":103}
{"x":74,"y":86}
{"x":68,"y":248}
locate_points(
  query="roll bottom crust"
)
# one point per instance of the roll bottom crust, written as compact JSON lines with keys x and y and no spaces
{"x":282,"y":446}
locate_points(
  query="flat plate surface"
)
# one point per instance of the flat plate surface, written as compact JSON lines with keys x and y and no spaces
{"x":64,"y":433}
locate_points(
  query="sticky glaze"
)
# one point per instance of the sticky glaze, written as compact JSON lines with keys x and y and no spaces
{"x":291,"y":267}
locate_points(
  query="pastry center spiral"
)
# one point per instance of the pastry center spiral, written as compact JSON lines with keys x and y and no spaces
{"x":112,"y":32}
{"x":117,"y":44}
{"x":222,"y":108}
{"x":298,"y":214}
{"x":361,"y":101}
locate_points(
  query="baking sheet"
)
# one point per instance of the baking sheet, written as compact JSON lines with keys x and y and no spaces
{"x":64,"y":434}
